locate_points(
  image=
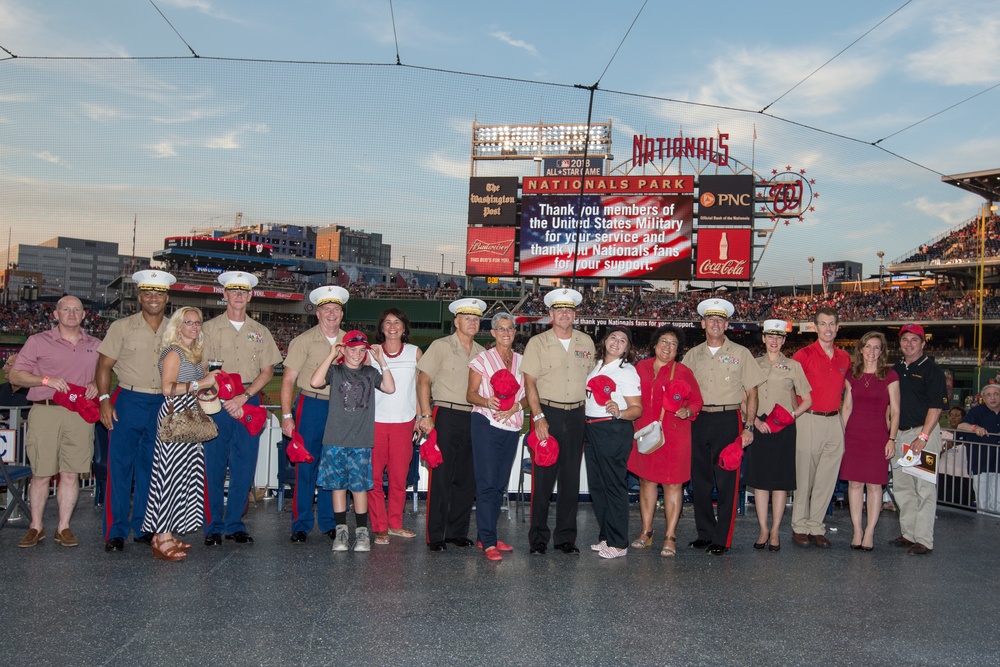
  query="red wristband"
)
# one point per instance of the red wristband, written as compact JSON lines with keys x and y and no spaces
{"x":45,"y":381}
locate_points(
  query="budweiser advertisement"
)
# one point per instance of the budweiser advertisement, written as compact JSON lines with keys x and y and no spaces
{"x":490,"y":251}
{"x":620,"y":236}
{"x":217,"y":289}
{"x":723,"y":254}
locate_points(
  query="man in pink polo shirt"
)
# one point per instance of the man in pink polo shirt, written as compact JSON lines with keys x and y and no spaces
{"x":58,"y":440}
{"x":819,"y":441}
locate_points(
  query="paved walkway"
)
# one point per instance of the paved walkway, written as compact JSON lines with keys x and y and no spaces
{"x":278,"y":603}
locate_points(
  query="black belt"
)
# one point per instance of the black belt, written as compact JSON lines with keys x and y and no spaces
{"x":313,"y":394}
{"x":562,"y":406}
{"x":720,"y":408}
{"x":831,"y":413}
{"x":463,"y":407}
{"x":596,"y":420}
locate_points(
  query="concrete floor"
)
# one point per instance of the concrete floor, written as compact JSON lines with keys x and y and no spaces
{"x":278,"y":603}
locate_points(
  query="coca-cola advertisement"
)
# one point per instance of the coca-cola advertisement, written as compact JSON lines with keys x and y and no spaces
{"x":723,"y":254}
{"x":490,"y":251}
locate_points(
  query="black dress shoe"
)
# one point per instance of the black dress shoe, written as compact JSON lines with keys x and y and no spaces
{"x":115,"y":544}
{"x":717,"y":549}
{"x":460,"y":541}
{"x":332,"y":533}
{"x":567,"y":548}
{"x":213,"y":539}
{"x":700,"y":544}
{"x":146,"y":538}
{"x":240,"y":537}
{"x":538,"y":549}
{"x":759,"y":545}
{"x":437,"y":546}
{"x":299,"y":536}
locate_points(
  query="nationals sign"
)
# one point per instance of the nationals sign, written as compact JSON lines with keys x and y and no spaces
{"x":723,"y":254}
{"x":620,"y":236}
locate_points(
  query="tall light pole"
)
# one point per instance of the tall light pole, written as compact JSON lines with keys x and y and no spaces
{"x":812,"y":278}
{"x":442,"y":263}
{"x":881,"y":269}
{"x":404,"y":262}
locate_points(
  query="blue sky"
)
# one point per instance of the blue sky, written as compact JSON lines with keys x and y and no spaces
{"x":91,"y":139}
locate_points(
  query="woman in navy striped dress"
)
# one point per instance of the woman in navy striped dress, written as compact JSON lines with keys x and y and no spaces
{"x":177,"y":485}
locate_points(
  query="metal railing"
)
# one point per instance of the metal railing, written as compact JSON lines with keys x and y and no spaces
{"x":968,"y":473}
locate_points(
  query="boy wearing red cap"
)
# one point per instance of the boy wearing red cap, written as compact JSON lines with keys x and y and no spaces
{"x":346,"y":459}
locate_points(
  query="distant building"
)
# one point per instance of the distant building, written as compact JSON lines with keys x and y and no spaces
{"x":286,"y":240}
{"x":342,"y":244}
{"x":80,"y":267}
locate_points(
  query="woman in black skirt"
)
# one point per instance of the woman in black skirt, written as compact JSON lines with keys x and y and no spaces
{"x":769,"y":467}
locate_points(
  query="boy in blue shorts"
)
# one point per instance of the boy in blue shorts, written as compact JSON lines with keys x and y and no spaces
{"x":346,"y":459}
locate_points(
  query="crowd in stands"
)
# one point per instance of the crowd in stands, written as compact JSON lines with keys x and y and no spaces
{"x":960,"y":244}
{"x":30,"y":317}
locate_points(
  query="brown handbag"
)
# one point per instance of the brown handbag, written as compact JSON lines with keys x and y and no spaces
{"x":185,"y":421}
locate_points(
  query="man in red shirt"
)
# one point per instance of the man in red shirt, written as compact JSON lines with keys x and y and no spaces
{"x":819,"y":442}
{"x":58,"y":441}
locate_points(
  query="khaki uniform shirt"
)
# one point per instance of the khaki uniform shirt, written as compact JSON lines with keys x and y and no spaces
{"x":724,"y":376}
{"x":305,"y":353}
{"x":136,"y":351}
{"x":784,"y":377}
{"x":447,"y":365}
{"x":560,"y":374}
{"x":247,"y":351}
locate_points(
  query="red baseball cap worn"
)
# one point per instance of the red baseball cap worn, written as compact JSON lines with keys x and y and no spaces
{"x":779,"y":418}
{"x":230,"y":385}
{"x":913,"y":329}
{"x":546,"y":451}
{"x":254,"y":418}
{"x":296,"y":450}
{"x":505,"y":387}
{"x":731,"y":457}
{"x":355,"y":338}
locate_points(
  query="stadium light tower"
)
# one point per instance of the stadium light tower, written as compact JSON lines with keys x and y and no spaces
{"x":812,"y":278}
{"x":881,"y":269}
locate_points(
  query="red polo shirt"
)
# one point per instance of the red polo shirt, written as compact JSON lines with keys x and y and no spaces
{"x":826,"y":376}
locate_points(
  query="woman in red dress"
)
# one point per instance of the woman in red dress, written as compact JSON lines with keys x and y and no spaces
{"x":871,"y":415}
{"x":670,"y":465}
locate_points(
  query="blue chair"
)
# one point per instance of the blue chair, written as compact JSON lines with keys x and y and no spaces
{"x":15,"y":478}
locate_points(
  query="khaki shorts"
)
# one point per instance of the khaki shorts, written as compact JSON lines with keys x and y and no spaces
{"x":58,"y":440}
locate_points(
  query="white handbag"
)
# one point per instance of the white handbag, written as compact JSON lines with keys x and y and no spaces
{"x":650,"y":437}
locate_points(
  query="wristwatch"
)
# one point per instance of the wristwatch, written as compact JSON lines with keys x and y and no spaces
{"x":540,"y":415}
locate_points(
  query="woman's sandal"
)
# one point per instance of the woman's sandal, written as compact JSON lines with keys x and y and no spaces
{"x":669,"y":547}
{"x":170,"y":550}
{"x":382,"y":538}
{"x":402,"y":532}
{"x":644,"y":540}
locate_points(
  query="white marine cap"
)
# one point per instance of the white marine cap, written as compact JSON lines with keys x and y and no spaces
{"x":329,"y":294}
{"x":718,"y":307}
{"x":243,"y":280}
{"x":777,"y":327}
{"x":563,"y":298}
{"x":153,"y":280}
{"x":468,"y":307}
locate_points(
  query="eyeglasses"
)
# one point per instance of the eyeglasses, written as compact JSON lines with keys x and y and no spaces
{"x":193,"y":323}
{"x":505,"y":329}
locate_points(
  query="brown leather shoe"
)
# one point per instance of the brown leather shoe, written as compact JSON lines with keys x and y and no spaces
{"x":32,"y":537}
{"x":800,"y":539}
{"x":918,"y":550}
{"x":900,"y":542}
{"x":820,"y":541}
{"x":66,"y":538}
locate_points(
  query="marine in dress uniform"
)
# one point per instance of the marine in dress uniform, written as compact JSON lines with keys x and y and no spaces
{"x":131,"y":349}
{"x":247,"y":348}
{"x":726,"y":372}
{"x":307,"y":412}
{"x":555,"y":367}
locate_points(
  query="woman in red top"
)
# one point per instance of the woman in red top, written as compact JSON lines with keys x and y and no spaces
{"x":670,"y":465}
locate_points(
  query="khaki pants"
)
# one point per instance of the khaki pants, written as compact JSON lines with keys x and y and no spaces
{"x":819,"y":447}
{"x":916,"y":499}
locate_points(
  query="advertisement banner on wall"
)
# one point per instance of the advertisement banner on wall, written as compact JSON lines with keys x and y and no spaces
{"x":725,"y":200}
{"x":493,"y":200}
{"x":723,"y":254}
{"x":620,"y":236}
{"x":490,"y":251}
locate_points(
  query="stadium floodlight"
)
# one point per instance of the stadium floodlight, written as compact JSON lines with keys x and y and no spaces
{"x":526,"y":142}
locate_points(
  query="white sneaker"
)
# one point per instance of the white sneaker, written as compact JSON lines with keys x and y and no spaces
{"x":341,"y":540}
{"x":603,"y":544}
{"x":613,"y":552}
{"x":362,"y":542}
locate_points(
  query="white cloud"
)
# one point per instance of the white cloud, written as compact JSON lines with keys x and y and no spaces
{"x":950,"y":212}
{"x":202,"y":7}
{"x":164,"y":149}
{"x":447,"y":166}
{"x":517,"y":43}
{"x":962,"y":52}
{"x":231,"y":140}
{"x":51,"y":159}
{"x":100,"y":113}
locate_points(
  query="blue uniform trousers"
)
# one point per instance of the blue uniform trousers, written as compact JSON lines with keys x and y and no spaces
{"x":310,"y":421}
{"x":130,"y":461}
{"x":235,"y":449}
{"x":493,"y":451}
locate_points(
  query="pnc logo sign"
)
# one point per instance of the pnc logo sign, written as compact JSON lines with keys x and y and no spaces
{"x":708,"y":199}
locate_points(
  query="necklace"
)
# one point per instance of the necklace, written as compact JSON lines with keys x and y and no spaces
{"x":867,"y":379}
{"x":507,"y":359}
{"x":393,"y":355}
